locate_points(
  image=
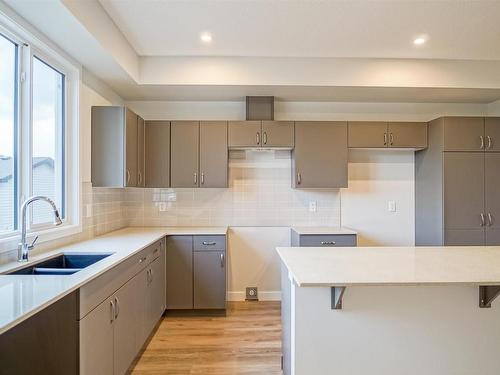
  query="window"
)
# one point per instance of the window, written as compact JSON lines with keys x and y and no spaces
{"x":38,"y":135}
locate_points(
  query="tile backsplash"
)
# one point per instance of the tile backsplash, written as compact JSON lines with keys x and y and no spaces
{"x":259,"y":194}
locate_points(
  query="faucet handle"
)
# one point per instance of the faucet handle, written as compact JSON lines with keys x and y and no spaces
{"x":33,"y":243}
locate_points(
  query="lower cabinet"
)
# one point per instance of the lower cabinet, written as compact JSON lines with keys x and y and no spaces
{"x":196,"y":272}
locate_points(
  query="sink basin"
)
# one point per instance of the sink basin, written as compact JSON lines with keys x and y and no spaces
{"x":64,"y":264}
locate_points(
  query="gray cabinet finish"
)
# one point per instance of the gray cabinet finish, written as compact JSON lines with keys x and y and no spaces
{"x":492,"y":134}
{"x":492,"y":198}
{"x":184,"y":154}
{"x":463,"y":190}
{"x":180,"y":272}
{"x":367,"y":134}
{"x":332,"y":240}
{"x":464,"y":237}
{"x":213,"y":154}
{"x":157,"y":168}
{"x":131,"y":166}
{"x":319,"y":159}
{"x":140,"y":152}
{"x":209,"y":279}
{"x":96,"y":341}
{"x":278,"y":134}
{"x":243,"y":134}
{"x":407,"y":134}
{"x":156,"y":291}
{"x":463,"y":133}
{"x":209,"y":243}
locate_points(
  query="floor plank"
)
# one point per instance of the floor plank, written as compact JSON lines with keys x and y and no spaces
{"x":246,"y":341}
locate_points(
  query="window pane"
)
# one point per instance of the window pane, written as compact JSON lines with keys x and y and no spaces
{"x":47,"y":139}
{"x":8,"y":103}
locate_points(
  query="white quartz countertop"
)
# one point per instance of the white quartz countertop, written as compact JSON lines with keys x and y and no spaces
{"x":322,"y":230}
{"x":350,"y":266}
{"x":21,"y":296}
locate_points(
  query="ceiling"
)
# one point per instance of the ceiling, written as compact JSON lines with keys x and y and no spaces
{"x":455,"y":29}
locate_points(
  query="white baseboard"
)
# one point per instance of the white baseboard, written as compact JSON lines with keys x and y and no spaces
{"x":263,"y":296}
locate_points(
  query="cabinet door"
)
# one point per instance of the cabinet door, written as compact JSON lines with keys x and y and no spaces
{"x":463,"y":190}
{"x":464,"y":237}
{"x":140,"y":152}
{"x":367,"y":134}
{"x":180,"y":272}
{"x":407,"y":134}
{"x":130,"y":148}
{"x":277,"y":134}
{"x":156,"y":291}
{"x":157,"y":154}
{"x":463,"y":133}
{"x":209,"y":280}
{"x":320,"y":155}
{"x":184,"y":153}
{"x":142,"y":314}
{"x":126,"y":326}
{"x":492,"y":133}
{"x":213,"y":154}
{"x":492,"y":198}
{"x":96,"y":341}
{"x":244,"y":134}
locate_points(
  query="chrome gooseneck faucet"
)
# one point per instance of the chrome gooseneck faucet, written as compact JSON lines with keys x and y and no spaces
{"x":23,"y":247}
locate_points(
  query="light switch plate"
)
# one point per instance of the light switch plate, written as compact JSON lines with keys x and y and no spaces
{"x":391,"y":206}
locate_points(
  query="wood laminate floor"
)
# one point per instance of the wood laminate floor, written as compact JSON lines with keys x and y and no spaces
{"x":246,"y":341}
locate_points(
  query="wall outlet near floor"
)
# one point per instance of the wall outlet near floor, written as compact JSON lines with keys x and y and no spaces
{"x":391,"y":206}
{"x":313,"y":206}
{"x":252,"y":294}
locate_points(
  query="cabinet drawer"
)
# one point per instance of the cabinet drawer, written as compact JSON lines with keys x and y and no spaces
{"x":328,"y":240}
{"x":209,"y":243}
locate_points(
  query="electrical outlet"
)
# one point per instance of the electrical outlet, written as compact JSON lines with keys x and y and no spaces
{"x":313,"y":206}
{"x":391,"y":206}
{"x":252,"y":294}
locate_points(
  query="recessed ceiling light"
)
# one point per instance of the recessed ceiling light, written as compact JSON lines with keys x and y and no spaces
{"x":419,"y":41}
{"x":206,"y":37}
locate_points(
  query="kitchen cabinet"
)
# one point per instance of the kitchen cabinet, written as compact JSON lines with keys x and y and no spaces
{"x":114,"y":159}
{"x":196,"y":272}
{"x":184,"y":153}
{"x":261,"y":134}
{"x":209,"y":279}
{"x":179,"y":272}
{"x":319,"y":159}
{"x":45,"y":343}
{"x":156,"y":292}
{"x":381,"y":134}
{"x":492,"y":134}
{"x":456,"y":191}
{"x":157,"y":154}
{"x":213,"y":154}
{"x":140,"y":152}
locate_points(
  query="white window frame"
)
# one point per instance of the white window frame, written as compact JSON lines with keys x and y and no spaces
{"x":29,"y":46}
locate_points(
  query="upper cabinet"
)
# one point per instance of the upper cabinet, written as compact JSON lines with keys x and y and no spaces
{"x":492,"y":134}
{"x":198,"y":154}
{"x":320,"y":155}
{"x":261,"y":134}
{"x":116,"y":143}
{"x":141,"y":180}
{"x":157,"y":154}
{"x":463,"y":133}
{"x":378,"y":134}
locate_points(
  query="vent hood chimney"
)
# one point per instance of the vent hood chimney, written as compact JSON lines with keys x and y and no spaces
{"x":260,"y":108}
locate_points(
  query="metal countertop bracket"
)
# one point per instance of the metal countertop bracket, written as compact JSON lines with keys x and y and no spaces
{"x":337,"y":294}
{"x":487,"y":293}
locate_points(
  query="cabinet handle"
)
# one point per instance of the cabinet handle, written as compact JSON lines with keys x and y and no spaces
{"x":257,"y":138}
{"x":483,"y":220}
{"x":140,"y":177}
{"x":128,"y":176}
{"x":490,"y":143}
{"x":117,"y":307}
{"x":202,"y":178}
{"x":481,"y":138}
{"x":142,"y":259}
{"x":391,"y":139}
{"x":148,"y":273}
{"x":265,"y":138}
{"x":299,"y":178}
{"x":195,"y":178}
{"x":328,"y":242}
{"x":385,"y":139}
{"x":112,"y":310}
{"x":222,"y":260}
{"x":209,"y":243}
{"x":490,"y":219}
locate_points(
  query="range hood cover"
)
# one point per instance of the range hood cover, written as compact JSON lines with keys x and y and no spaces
{"x":260,"y":108}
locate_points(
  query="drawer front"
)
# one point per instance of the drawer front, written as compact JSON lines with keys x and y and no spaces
{"x":207,"y":243}
{"x":331,"y":240}
{"x":154,"y":250}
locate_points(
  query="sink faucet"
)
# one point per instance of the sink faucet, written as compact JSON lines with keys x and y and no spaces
{"x":23,"y":247}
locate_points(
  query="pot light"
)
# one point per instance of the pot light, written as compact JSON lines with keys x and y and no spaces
{"x":206,"y":37}
{"x":419,"y":41}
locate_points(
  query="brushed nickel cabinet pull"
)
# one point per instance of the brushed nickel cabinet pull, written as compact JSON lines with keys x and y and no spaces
{"x":117,"y":307}
{"x":391,"y":139}
{"x":490,"y":219}
{"x":128,"y":176}
{"x":490,"y":142}
{"x":209,"y":243}
{"x":195,"y":178}
{"x":385,"y":139}
{"x":265,"y":138}
{"x":481,"y":138}
{"x":483,"y":220}
{"x":140,"y":177}
{"x":299,"y":178}
{"x":202,"y":178}
{"x":328,"y":242}
{"x":222,"y":260}
{"x":112,"y":311}
{"x":257,"y":138}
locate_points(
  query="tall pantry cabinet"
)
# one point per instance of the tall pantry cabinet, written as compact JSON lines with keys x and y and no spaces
{"x":457,"y":183}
